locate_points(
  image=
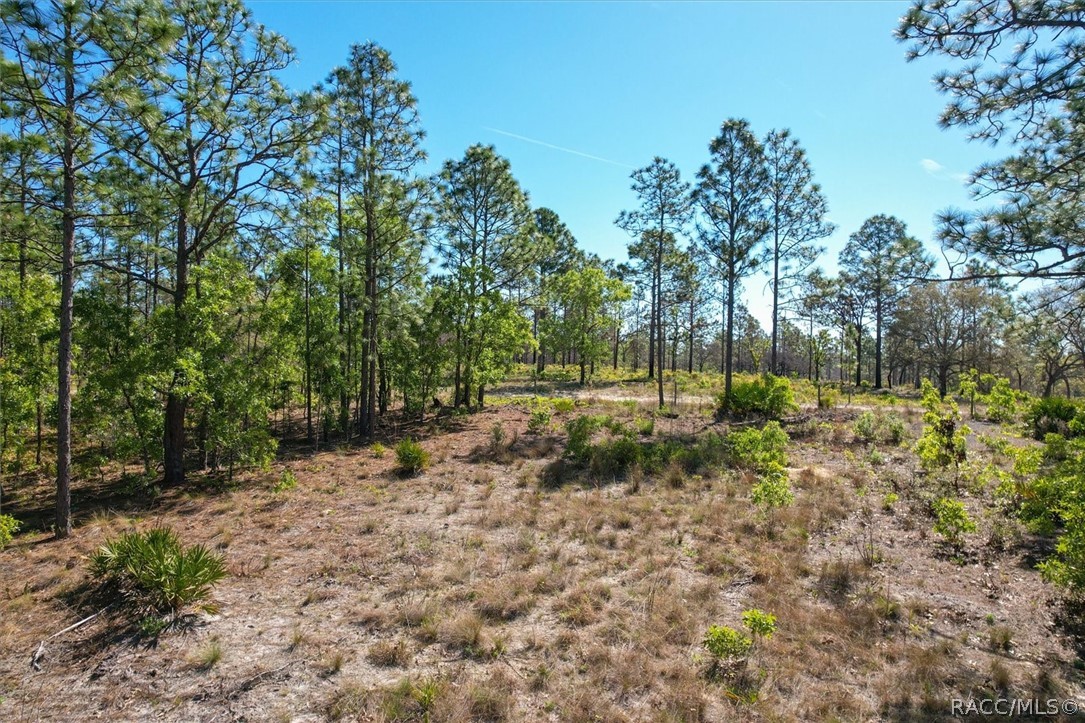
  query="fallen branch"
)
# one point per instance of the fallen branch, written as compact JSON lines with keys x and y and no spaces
{"x":250,"y":683}
{"x":35,"y":660}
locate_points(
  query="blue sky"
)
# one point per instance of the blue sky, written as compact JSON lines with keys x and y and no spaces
{"x":618,"y":83}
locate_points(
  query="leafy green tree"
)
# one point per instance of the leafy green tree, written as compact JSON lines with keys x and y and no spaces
{"x":731,"y":194}
{"x":665,"y":209}
{"x":797,"y":210}
{"x":216,"y":131}
{"x":587,"y":295}
{"x":881,"y":261}
{"x":377,"y":141}
{"x":307,"y":278}
{"x":485,"y":223}
{"x":64,"y":61}
{"x":557,"y":253}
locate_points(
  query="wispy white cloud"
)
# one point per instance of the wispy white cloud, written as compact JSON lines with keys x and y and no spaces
{"x":544,"y":144}
{"x":932,"y":167}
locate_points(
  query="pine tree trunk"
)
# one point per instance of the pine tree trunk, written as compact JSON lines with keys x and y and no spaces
{"x":63,"y":521}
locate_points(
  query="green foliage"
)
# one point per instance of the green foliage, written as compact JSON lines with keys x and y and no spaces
{"x":1053,"y":415}
{"x":864,"y":427}
{"x":287,"y":481}
{"x":585,"y":299}
{"x":411,"y":458}
{"x":726,"y":644}
{"x":969,"y":387}
{"x":951,"y":520}
{"x":768,"y":396}
{"x":8,"y":527}
{"x":1001,"y":402}
{"x":773,"y":490}
{"x":890,"y":499}
{"x":539,"y":421}
{"x":762,"y":625}
{"x":378,"y":450}
{"x":563,"y":405}
{"x":156,"y":572}
{"x":879,"y":427}
{"x":759,"y":450}
{"x":942,"y":443}
{"x":1053,"y":502}
{"x":645,"y":427}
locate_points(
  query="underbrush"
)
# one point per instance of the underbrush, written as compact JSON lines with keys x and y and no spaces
{"x":606,"y":449}
{"x":155,"y":573}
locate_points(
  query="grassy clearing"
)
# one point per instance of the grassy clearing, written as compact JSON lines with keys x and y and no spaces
{"x":481,"y":588}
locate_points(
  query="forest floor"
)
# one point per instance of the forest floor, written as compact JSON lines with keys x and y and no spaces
{"x":474,"y":591}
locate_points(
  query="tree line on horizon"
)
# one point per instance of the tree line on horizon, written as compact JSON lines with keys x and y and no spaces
{"x":188,"y":248}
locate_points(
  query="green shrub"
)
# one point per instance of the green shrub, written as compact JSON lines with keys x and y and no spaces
{"x":758,"y":449}
{"x":893,"y":428}
{"x":410,"y":457}
{"x":378,"y":450}
{"x":1052,"y":415}
{"x":563,"y":405}
{"x":872,"y":427}
{"x":156,"y":572}
{"x":772,"y":490}
{"x":539,"y":421}
{"x":942,"y":443}
{"x":768,"y":396}
{"x":646,"y":427}
{"x":952,"y":521}
{"x":580,"y":431}
{"x":865,"y":427}
{"x":8,"y":527}
{"x":761,"y":624}
{"x":726,"y":644}
{"x":287,"y":481}
{"x":1001,"y":402}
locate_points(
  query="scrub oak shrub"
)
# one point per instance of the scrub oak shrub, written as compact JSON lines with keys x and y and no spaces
{"x":951,"y":521}
{"x":768,"y":396}
{"x":8,"y":527}
{"x":758,"y":449}
{"x":942,"y":443}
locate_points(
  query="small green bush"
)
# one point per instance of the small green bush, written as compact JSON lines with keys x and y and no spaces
{"x":769,"y":396}
{"x":865,"y":427}
{"x":726,"y":644}
{"x":410,"y":457}
{"x":156,"y":572}
{"x":1052,"y":415}
{"x":871,"y":427}
{"x":8,"y":527}
{"x":646,"y":427}
{"x":563,"y":405}
{"x":761,"y":624}
{"x":539,"y":421}
{"x":287,"y":481}
{"x":952,"y":521}
{"x":1001,"y":402}
{"x":758,"y":449}
{"x":942,"y":443}
{"x":773,"y":490}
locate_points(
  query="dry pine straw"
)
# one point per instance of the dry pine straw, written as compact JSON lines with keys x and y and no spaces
{"x":471,"y":592}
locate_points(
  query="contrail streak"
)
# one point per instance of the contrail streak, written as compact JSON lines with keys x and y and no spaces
{"x":557,"y":148}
